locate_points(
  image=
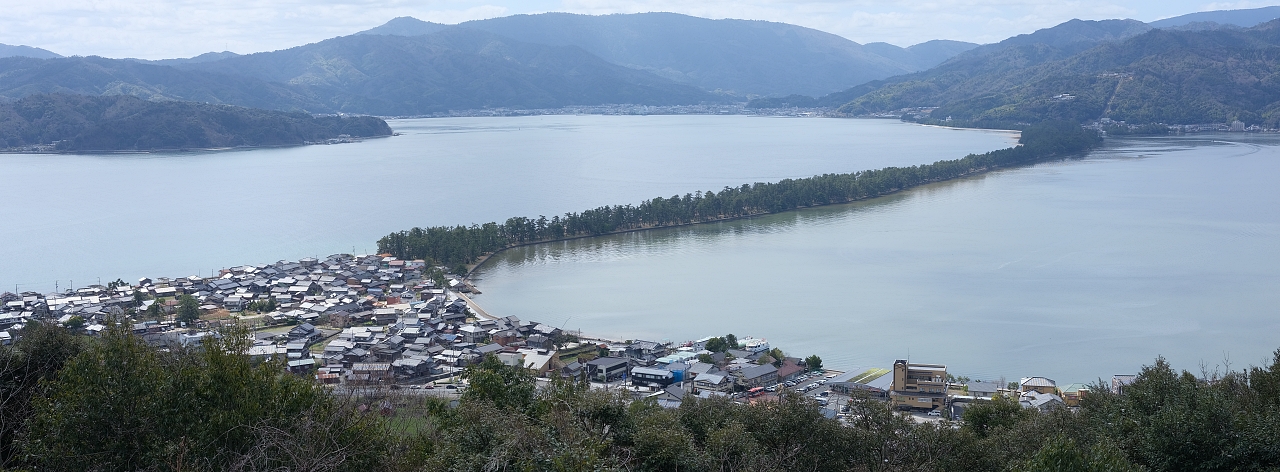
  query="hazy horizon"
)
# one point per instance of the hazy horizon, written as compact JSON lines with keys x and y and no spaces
{"x":145,"y":30}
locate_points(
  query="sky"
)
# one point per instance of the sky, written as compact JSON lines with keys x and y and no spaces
{"x":159,"y":29}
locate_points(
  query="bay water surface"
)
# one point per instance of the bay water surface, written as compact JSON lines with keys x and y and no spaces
{"x":1075,"y":269}
{"x":77,"y":218}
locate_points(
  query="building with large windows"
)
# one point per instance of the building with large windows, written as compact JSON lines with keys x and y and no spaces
{"x":918,"y":386}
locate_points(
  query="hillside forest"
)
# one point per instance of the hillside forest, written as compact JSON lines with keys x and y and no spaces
{"x":75,"y":403}
{"x":127,"y":123}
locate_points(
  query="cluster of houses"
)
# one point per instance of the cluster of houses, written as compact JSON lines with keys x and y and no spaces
{"x":646,"y":363}
{"x":1235,"y":126}
{"x":342,"y":288}
{"x":376,"y":320}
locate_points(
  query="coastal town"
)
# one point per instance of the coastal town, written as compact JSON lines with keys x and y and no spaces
{"x":377,"y":322}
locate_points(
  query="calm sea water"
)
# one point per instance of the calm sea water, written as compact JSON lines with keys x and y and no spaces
{"x":77,"y":219}
{"x":1074,"y":270}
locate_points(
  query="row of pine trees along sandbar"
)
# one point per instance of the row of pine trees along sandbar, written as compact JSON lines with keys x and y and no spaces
{"x":111,"y":403}
{"x":456,"y":245}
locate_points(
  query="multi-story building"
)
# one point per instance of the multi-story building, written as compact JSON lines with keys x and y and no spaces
{"x":918,"y":385}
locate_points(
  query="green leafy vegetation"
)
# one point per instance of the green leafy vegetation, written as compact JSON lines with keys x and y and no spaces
{"x":188,"y":309}
{"x":127,"y":123}
{"x":464,"y":244}
{"x":117,"y":404}
{"x":813,"y":363}
{"x":112,"y":403}
{"x":263,"y":306}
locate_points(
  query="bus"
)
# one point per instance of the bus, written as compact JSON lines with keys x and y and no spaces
{"x":755,"y":392}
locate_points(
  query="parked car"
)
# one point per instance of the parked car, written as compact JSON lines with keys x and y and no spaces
{"x":935,"y":413}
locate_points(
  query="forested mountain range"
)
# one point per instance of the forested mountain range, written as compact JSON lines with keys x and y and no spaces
{"x":1165,"y":76}
{"x":738,"y":56}
{"x":24,"y":76}
{"x":1015,"y":53}
{"x":367,"y":74}
{"x":411,"y":67}
{"x":992,"y":61}
{"x":206,"y":57}
{"x":455,"y":68}
{"x":1245,"y":18}
{"x":25,"y":51}
{"x":127,"y":123}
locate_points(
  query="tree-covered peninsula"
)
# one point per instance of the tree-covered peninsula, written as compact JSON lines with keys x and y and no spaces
{"x":72,"y":123}
{"x":453,"y":245}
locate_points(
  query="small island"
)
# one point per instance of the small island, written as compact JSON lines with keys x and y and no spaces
{"x":123,"y":123}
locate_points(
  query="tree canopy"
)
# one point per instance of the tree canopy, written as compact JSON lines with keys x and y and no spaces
{"x":127,"y":123}
{"x":464,"y":244}
{"x":113,"y":403}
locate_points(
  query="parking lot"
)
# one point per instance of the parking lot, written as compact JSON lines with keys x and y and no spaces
{"x":812,"y":385}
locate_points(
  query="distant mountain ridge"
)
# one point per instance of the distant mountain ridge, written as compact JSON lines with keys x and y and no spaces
{"x":743,"y":57}
{"x":927,"y":87}
{"x":1159,"y":76}
{"x":409,"y":67}
{"x":24,"y":76}
{"x":368,"y":74}
{"x":26,"y":51}
{"x":982,"y":68}
{"x":452,"y":69}
{"x":406,"y":26}
{"x":923,"y":56}
{"x":1244,"y":18}
{"x":206,"y":57}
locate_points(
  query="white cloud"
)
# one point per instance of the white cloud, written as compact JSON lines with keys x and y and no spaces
{"x":1235,"y":5}
{"x":154,"y":29}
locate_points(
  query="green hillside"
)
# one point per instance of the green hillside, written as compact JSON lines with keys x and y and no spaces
{"x":1161,"y":76}
{"x":23,"y":76}
{"x":127,"y":123}
{"x":452,"y":69}
{"x":736,"y":56}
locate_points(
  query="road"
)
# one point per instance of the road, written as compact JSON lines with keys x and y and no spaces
{"x":474,"y":307}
